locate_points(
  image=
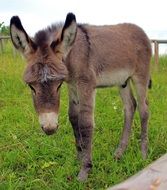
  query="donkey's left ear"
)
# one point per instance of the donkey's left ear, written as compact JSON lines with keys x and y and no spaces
{"x":20,"y":38}
{"x":69,"y":32}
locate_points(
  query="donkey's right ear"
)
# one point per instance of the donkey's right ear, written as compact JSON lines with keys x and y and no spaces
{"x":20,"y":38}
{"x":69,"y":32}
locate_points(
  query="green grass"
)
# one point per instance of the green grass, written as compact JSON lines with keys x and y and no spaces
{"x":31,"y":160}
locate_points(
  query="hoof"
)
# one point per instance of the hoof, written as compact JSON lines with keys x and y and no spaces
{"x":82,"y":176}
{"x":118,"y":153}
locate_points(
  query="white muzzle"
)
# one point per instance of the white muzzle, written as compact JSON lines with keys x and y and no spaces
{"x":48,"y":122}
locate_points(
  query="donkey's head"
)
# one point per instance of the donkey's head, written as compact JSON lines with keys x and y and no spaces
{"x":45,"y":71}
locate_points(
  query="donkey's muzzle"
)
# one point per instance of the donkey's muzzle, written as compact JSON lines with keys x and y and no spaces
{"x":49,"y":131}
{"x":48,"y":122}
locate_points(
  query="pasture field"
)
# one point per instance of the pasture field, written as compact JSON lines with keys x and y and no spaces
{"x":33,"y":161}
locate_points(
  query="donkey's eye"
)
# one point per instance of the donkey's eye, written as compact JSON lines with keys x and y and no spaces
{"x":32,"y":88}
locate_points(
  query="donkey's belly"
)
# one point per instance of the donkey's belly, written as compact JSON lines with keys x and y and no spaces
{"x":116,"y":78}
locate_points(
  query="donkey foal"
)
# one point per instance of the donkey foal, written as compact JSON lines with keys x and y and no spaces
{"x":86,"y":57}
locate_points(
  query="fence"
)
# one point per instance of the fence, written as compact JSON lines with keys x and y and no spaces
{"x":2,"y":38}
{"x":2,"y":42}
{"x":154,"y":41}
{"x":156,"y":49}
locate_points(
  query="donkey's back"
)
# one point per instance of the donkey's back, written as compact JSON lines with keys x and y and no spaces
{"x":113,"y":53}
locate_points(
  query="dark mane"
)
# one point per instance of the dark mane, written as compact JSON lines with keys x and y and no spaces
{"x":43,"y":37}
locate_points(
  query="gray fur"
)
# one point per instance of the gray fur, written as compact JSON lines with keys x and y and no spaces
{"x":97,"y":56}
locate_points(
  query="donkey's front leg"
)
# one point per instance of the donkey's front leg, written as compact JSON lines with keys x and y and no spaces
{"x":73,"y":117}
{"x":85,"y":123}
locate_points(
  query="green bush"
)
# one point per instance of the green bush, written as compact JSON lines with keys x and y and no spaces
{"x":4,"y":30}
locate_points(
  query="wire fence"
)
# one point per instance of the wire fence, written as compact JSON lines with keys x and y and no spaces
{"x":4,"y":40}
{"x":155,"y":43}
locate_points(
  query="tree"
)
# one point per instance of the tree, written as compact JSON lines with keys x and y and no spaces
{"x":4,"y":30}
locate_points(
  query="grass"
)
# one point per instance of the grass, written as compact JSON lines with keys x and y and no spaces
{"x":31,"y":160}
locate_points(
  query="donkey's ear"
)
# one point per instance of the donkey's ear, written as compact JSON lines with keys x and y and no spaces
{"x":20,"y":38}
{"x":69,"y":32}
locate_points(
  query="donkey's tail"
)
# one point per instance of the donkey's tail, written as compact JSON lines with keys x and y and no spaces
{"x":150,"y":84}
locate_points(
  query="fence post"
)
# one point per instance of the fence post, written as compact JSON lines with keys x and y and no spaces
{"x":156,"y":52}
{"x":1,"y":45}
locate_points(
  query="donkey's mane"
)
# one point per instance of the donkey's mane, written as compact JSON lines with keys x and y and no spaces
{"x":44,"y":72}
{"x":46,"y":35}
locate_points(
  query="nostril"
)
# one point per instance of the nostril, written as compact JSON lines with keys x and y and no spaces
{"x":48,"y":131}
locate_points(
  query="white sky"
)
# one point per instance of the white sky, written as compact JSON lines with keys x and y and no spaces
{"x":151,"y":15}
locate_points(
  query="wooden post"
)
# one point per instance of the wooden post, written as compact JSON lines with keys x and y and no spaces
{"x":153,"y":177}
{"x":1,"y":45}
{"x":156,"y":52}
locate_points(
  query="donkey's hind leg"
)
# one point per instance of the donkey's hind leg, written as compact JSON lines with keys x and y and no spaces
{"x":129,"y":110}
{"x":141,"y":89}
